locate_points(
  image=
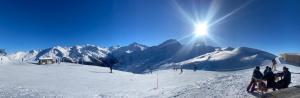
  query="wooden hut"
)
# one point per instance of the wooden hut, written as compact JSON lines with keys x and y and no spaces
{"x":46,"y":61}
{"x":292,"y":58}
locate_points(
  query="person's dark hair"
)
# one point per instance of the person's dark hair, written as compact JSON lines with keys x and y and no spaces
{"x":285,"y":68}
{"x":257,"y":68}
{"x":267,"y":67}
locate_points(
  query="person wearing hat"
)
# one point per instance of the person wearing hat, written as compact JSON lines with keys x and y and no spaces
{"x":286,"y":80}
{"x":266,"y":70}
{"x":269,"y":76}
{"x":257,"y":75}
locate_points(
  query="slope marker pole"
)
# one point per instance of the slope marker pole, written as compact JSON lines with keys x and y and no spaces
{"x":156,"y":80}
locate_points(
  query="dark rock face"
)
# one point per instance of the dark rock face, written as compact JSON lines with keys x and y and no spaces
{"x":2,"y":52}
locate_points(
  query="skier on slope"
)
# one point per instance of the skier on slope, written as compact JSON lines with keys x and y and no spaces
{"x":110,"y":67}
{"x":110,"y":61}
{"x":174,"y":67}
{"x":181,"y":70}
{"x":257,"y":75}
{"x":195,"y":67}
{"x":150,"y":69}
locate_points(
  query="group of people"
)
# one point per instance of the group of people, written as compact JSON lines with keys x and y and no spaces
{"x":176,"y":67}
{"x":268,"y":76}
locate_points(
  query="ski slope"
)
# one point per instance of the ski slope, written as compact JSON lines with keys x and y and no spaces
{"x":66,"y":80}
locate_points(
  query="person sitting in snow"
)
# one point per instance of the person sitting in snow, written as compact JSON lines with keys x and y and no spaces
{"x":284,"y":83}
{"x":270,"y":77}
{"x":257,"y":75}
{"x":266,"y":70}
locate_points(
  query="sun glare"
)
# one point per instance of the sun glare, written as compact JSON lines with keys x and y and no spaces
{"x":201,"y":29}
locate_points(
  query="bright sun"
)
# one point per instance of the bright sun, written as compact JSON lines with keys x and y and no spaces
{"x":201,"y":29}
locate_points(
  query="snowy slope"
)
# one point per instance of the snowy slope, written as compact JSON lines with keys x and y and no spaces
{"x":76,"y":81}
{"x":4,"y":60}
{"x":228,"y":59}
{"x":27,"y":56}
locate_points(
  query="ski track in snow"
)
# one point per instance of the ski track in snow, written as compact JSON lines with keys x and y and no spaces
{"x":80,"y":81}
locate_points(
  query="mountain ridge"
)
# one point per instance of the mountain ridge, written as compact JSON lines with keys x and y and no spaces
{"x":139,"y":58}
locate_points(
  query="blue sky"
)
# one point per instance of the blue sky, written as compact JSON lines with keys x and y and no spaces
{"x":270,"y":25}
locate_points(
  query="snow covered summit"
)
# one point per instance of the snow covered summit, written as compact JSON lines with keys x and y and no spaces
{"x":86,"y":54}
{"x":140,"y":58}
{"x":224,"y":60}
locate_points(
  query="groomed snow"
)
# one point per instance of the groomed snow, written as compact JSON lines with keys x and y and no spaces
{"x":66,"y":80}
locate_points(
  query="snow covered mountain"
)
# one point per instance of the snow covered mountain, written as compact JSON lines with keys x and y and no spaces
{"x":150,"y":57}
{"x":225,"y":59}
{"x":140,"y":58}
{"x":27,"y":56}
{"x":125,"y":50}
{"x":86,"y":54}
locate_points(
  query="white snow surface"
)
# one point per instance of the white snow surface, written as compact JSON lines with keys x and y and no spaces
{"x":66,"y":80}
{"x":4,"y":60}
{"x":228,"y":59}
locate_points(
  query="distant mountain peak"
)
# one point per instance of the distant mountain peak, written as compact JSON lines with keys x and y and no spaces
{"x":170,"y":42}
{"x":137,"y":45}
{"x":113,"y":48}
{"x":2,"y":52}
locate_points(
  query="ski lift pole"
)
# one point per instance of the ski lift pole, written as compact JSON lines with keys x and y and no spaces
{"x":156,"y":79}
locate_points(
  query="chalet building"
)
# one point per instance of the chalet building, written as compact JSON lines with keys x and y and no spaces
{"x":42,"y":61}
{"x":291,"y":58}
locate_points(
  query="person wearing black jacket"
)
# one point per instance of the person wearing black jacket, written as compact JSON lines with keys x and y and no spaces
{"x":257,"y":75}
{"x":270,"y":77}
{"x":266,"y":70}
{"x":284,"y":83}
